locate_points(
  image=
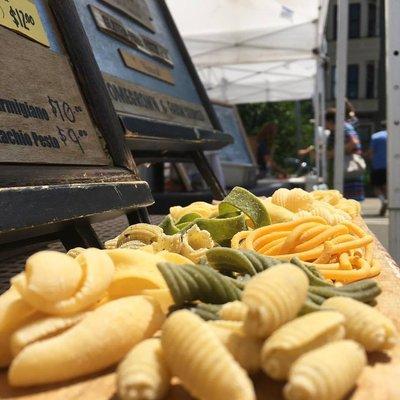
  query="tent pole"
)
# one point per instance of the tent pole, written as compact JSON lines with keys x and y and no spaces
{"x":341,"y":80}
{"x":324,"y":161}
{"x":297,"y":113}
{"x":317,"y":117}
{"x":392,"y":17}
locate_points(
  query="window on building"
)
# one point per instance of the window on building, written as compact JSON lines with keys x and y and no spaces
{"x":370,"y":81}
{"x":354,"y":20}
{"x":371,"y":19}
{"x":333,"y":82}
{"x":352,"y":81}
{"x":334,"y":22}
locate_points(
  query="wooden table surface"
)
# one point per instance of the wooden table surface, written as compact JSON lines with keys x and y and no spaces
{"x":379,"y":381}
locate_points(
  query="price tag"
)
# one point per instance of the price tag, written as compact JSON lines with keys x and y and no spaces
{"x":23,"y":17}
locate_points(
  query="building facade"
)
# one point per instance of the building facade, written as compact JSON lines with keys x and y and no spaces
{"x":364,"y":78}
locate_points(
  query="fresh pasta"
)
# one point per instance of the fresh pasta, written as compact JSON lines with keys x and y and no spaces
{"x":244,"y":349}
{"x":198,"y":358}
{"x":274,"y":297}
{"x":143,"y":373}
{"x":297,"y":337}
{"x":327,"y":373}
{"x":233,"y":311}
{"x":365,"y":324}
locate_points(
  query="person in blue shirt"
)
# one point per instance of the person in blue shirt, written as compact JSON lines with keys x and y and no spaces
{"x":378,"y":155}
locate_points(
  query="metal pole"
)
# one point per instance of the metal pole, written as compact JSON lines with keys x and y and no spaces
{"x":324,"y":160}
{"x":297,"y":113}
{"x":341,"y":80}
{"x":317,"y":118}
{"x":392,"y":14}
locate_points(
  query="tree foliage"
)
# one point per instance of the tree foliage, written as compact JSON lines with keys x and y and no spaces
{"x":254,"y":116}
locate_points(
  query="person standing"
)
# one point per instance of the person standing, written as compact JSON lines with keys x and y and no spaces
{"x":378,"y":155}
{"x":354,"y":167}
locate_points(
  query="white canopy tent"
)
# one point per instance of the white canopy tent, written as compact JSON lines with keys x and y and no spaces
{"x":253,"y":50}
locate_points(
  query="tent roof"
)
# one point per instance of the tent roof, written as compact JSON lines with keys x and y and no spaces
{"x":253,"y":50}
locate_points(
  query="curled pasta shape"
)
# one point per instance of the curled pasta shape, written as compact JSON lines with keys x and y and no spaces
{"x":195,"y":243}
{"x":75,"y":252}
{"x":57,"y":284}
{"x":298,"y":199}
{"x":203,"y":209}
{"x":274,"y":297}
{"x":365,"y":324}
{"x":101,"y":339}
{"x":198,"y":282}
{"x":280,"y":197}
{"x":145,"y":233}
{"x":40,"y":329}
{"x":198,"y":358}
{"x":233,"y":311}
{"x":297,"y":337}
{"x":244,"y":349}
{"x":143,"y":374}
{"x":327,"y":373}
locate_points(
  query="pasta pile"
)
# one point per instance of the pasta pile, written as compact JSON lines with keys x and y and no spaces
{"x":343,"y":252}
{"x":328,"y":204}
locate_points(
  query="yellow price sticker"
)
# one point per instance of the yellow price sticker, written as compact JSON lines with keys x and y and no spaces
{"x":23,"y":17}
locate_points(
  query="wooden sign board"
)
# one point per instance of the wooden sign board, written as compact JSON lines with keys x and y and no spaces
{"x":147,"y":67}
{"x":136,"y":9}
{"x":43,"y":118}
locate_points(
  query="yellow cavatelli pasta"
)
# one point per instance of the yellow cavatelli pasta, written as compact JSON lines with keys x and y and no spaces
{"x":327,"y":373}
{"x":143,"y":374}
{"x":198,"y":358}
{"x":57,"y":284}
{"x":280,"y":196}
{"x":365,"y":324}
{"x":233,"y":311}
{"x":40,"y":329}
{"x":244,"y":349}
{"x":101,"y":339}
{"x":274,"y":297}
{"x":297,"y":337}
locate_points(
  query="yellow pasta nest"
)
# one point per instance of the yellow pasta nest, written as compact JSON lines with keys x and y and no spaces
{"x":273,"y":297}
{"x":297,"y":337}
{"x":143,"y":374}
{"x":365,"y":324}
{"x":341,"y":252}
{"x":327,"y":373}
{"x":198,"y":358}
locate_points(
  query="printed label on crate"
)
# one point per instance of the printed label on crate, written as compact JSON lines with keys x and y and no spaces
{"x":23,"y":17}
{"x":43,"y":118}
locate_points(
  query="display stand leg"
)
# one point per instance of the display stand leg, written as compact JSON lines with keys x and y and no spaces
{"x":141,"y":215}
{"x":80,"y":234}
{"x":208,"y":175}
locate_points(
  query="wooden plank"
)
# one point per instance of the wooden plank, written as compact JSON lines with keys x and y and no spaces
{"x":146,"y":67}
{"x":43,"y":118}
{"x":136,"y":9}
{"x":379,"y":381}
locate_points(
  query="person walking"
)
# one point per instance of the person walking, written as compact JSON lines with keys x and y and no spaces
{"x":378,"y":156}
{"x":355,"y":166}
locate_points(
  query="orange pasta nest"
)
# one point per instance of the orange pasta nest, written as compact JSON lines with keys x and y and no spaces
{"x":343,"y":252}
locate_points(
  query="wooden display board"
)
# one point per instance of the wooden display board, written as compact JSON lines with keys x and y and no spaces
{"x":62,"y":159}
{"x":379,"y":380}
{"x":148,"y":76}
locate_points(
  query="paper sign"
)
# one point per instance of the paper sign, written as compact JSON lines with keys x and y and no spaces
{"x":23,"y":17}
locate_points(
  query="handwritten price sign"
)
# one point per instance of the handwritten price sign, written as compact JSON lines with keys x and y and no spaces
{"x":22,"y":16}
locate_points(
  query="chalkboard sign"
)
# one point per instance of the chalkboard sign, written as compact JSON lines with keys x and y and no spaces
{"x":62,"y":162}
{"x":147,"y":72}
